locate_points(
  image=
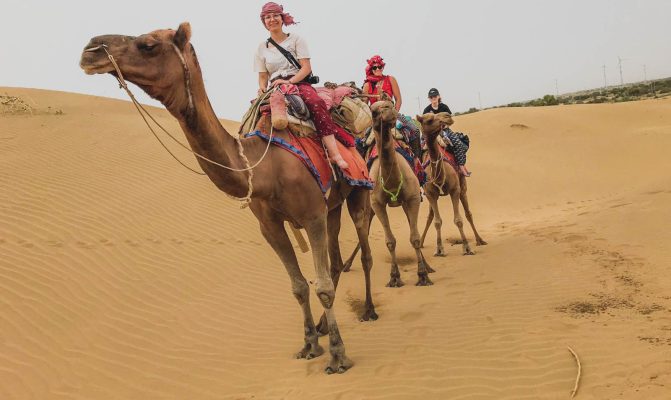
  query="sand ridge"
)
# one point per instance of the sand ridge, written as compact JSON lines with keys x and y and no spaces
{"x":123,"y":275}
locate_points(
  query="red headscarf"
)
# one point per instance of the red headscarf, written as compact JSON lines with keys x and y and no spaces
{"x":375,"y":60}
{"x":274,"y":8}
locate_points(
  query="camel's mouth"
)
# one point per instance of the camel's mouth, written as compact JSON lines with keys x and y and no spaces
{"x":94,"y":61}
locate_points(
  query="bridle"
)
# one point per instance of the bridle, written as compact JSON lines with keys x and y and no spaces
{"x":191,"y":108}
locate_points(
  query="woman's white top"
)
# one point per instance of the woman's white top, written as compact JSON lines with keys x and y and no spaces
{"x":269,"y":59}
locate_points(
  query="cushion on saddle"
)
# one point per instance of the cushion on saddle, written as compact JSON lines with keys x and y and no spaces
{"x":403,"y":149}
{"x":311,"y":152}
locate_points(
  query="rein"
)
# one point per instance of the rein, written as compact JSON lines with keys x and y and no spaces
{"x":436,"y":172}
{"x":187,"y":76}
{"x":394,"y":196}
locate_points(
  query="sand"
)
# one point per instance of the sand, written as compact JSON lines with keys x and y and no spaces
{"x":125,"y":276}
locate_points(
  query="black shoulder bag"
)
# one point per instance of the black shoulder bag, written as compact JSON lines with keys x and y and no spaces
{"x":311,"y":79}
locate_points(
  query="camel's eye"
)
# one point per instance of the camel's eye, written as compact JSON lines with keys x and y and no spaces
{"x":147,"y":46}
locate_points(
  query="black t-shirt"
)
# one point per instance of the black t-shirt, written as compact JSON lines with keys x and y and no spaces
{"x":441,"y":108}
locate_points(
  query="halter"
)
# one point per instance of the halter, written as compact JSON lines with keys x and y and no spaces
{"x":191,"y":108}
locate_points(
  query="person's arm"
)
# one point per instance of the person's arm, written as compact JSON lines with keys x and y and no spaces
{"x":263,"y":82}
{"x":397,"y":93}
{"x":305,"y":70}
{"x":366,"y":90}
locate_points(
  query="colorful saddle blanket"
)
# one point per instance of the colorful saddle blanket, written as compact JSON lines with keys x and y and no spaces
{"x":403,"y":149}
{"x":447,"y":156}
{"x":311,"y":152}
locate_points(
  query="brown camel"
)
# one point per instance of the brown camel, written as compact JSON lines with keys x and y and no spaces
{"x":443,"y":179}
{"x":395,"y":185}
{"x":163,"y":63}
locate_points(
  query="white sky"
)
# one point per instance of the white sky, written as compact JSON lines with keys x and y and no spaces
{"x":505,"y":50}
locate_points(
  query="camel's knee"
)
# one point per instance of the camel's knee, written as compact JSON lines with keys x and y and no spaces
{"x":300,"y":290}
{"x":326,"y":293}
{"x":391,"y":244}
{"x":458,"y":221}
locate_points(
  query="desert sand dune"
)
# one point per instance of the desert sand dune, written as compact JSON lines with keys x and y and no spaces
{"x":125,"y":276}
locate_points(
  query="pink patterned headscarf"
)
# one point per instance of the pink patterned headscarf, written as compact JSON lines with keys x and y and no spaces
{"x":274,"y":8}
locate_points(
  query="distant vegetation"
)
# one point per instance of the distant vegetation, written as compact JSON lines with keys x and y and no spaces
{"x":610,"y":94}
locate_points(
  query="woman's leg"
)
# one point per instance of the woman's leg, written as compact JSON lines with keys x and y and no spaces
{"x":326,"y":128}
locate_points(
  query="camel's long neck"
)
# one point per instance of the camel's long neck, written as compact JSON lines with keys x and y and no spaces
{"x":432,"y":146}
{"x":206,"y":135}
{"x":386,"y":151}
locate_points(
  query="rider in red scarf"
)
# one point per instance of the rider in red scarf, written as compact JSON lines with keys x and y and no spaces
{"x":376,"y":82}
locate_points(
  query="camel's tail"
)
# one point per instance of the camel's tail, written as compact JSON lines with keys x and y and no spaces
{"x":429,"y":219}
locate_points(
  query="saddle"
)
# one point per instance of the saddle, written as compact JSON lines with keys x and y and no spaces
{"x":288,"y":110}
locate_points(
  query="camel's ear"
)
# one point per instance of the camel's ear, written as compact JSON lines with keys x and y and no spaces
{"x":419,"y":118}
{"x":183,"y":35}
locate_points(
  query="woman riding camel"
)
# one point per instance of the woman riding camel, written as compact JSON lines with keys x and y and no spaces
{"x":376,"y":82}
{"x":275,"y":69}
{"x":458,"y":140}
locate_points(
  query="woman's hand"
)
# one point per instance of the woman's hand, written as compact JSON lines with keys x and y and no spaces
{"x":259,"y":92}
{"x":280,"y":82}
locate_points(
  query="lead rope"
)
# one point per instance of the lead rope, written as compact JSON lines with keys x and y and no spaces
{"x":394,"y":196}
{"x":244,"y":200}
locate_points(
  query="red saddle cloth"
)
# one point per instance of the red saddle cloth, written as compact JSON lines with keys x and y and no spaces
{"x":449,"y":157}
{"x":311,"y":152}
{"x":403,"y":149}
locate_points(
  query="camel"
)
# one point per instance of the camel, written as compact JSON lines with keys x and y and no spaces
{"x":163,"y":63}
{"x":395,"y":185}
{"x":443,"y":179}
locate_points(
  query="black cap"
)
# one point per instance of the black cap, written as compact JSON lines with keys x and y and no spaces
{"x":433,"y":92}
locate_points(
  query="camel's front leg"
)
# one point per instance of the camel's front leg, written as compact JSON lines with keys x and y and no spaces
{"x":316,"y":230}
{"x":467,"y":210}
{"x":350,"y":260}
{"x":437,"y":223}
{"x":273,"y":231}
{"x":380,"y":210}
{"x":454,"y":196}
{"x":411,"y":208}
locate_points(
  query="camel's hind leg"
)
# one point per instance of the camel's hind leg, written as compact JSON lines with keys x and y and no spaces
{"x":454,"y":196}
{"x":395,"y":275}
{"x":429,"y":219}
{"x":335,"y":258}
{"x":479,"y":241}
{"x":358,"y":204}
{"x":316,"y":230}
{"x":273,"y":231}
{"x":411,"y":209}
{"x":350,"y":260}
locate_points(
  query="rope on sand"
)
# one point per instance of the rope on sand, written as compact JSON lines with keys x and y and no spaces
{"x":577,"y":379}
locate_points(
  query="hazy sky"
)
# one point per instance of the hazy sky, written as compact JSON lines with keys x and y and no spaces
{"x":505,"y":50}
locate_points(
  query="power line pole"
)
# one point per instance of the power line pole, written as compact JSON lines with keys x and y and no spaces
{"x":605,"y":83}
{"x":620,"y":63}
{"x":556,"y":88}
{"x":645,"y":74}
{"x":479,"y":100}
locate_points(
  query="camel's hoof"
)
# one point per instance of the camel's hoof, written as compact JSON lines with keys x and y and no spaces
{"x":369,"y":315}
{"x":469,"y":252}
{"x":310,"y":351}
{"x":395,"y":282}
{"x":440,"y":253}
{"x":339,"y":364}
{"x":480,"y":243}
{"x":424,"y":280}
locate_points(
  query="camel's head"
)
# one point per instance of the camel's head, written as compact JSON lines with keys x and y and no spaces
{"x":383,"y":111}
{"x":158,"y":61}
{"x":432,"y":124}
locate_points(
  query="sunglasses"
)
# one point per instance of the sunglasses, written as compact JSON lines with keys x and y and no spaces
{"x":376,"y":67}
